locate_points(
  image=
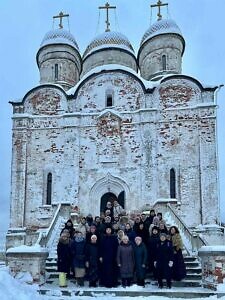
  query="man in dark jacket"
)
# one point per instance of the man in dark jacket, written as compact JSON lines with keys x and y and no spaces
{"x":164,"y":261}
{"x":108,"y":251}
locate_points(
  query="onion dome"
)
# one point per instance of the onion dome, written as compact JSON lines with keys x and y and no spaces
{"x":59,"y":36}
{"x":161,"y":50}
{"x":161,"y":27}
{"x":59,"y":59}
{"x":109,"y":39}
{"x":108,"y":48}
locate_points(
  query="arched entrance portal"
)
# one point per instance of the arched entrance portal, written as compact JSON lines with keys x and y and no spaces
{"x":106,"y":187}
{"x":110,"y":197}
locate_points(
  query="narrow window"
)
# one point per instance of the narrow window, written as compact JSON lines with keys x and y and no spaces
{"x":109,"y":100}
{"x":49,"y":189}
{"x":56,"y":71}
{"x":172,"y":183}
{"x":164,"y":62}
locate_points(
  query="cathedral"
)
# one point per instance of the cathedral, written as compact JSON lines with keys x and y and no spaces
{"x":110,"y":123}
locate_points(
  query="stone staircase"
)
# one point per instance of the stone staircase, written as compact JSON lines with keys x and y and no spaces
{"x":190,"y":287}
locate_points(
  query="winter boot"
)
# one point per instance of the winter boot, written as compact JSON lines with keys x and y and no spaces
{"x":62,"y":279}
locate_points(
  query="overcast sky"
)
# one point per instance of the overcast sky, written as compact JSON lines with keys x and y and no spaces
{"x":23,"y":24}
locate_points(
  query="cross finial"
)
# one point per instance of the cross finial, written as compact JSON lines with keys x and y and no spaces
{"x":60,"y":16}
{"x":107,"y":7}
{"x":159,"y":4}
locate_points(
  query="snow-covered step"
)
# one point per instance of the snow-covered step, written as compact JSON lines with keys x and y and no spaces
{"x":134,"y":291}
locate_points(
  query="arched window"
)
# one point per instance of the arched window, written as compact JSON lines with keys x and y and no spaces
{"x":49,"y":189}
{"x":56,"y":71}
{"x":109,"y":97}
{"x":109,"y":100}
{"x":164,"y":62}
{"x":172,"y":183}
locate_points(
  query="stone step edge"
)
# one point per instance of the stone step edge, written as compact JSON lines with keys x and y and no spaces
{"x":125,"y":292}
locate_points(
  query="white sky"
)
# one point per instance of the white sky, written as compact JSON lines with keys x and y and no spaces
{"x":24,"y":23}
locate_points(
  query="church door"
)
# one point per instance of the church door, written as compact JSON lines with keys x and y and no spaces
{"x":110,"y":197}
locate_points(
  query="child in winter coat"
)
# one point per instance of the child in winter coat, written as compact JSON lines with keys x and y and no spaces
{"x":63,"y":258}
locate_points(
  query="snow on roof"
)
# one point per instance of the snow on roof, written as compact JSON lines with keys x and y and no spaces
{"x":23,"y":248}
{"x":59,"y":36}
{"x":161,"y":27}
{"x":147,"y":84}
{"x":103,"y":47}
{"x":107,"y":39}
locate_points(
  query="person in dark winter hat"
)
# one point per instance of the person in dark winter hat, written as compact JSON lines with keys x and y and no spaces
{"x":164,"y":261}
{"x":140,"y":257}
{"x":109,"y":207}
{"x":152,"y":249}
{"x":142,"y":232}
{"x":149,"y":220}
{"x":108,"y":251}
{"x":130,"y":232}
{"x":93,"y":231}
{"x":69,"y":226}
{"x":63,"y":258}
{"x":89,"y":219}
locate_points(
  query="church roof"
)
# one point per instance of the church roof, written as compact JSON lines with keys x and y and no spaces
{"x":59,"y":36}
{"x":161,"y":27}
{"x":109,"y":39}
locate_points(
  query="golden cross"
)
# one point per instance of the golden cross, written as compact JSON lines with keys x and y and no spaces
{"x":61,"y":16}
{"x":107,"y":7}
{"x":159,"y":4}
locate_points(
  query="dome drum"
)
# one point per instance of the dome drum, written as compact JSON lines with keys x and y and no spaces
{"x":59,"y":59}
{"x":161,"y":50}
{"x":166,"y":47}
{"x":109,"y":48}
{"x":109,"y":56}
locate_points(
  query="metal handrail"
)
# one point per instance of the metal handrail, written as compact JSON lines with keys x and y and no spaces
{"x":192,"y":241}
{"x":45,"y":235}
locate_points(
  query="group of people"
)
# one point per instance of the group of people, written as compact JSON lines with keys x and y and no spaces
{"x":114,"y":249}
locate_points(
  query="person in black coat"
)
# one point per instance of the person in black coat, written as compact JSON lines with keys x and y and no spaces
{"x":152,"y":249}
{"x":63,"y":258}
{"x":108,"y":252}
{"x":69,"y":226}
{"x":149,"y":220}
{"x":130,"y":233}
{"x":108,"y":211}
{"x":142,"y":232}
{"x":140,"y":257}
{"x":92,"y":261}
{"x":179,"y":268}
{"x":93,"y":231}
{"x":164,"y":261}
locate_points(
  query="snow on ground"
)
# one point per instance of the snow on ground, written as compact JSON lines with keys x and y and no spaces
{"x":16,"y":289}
